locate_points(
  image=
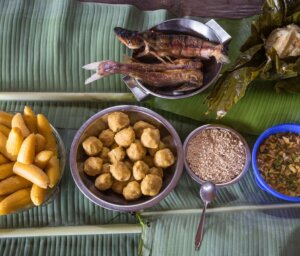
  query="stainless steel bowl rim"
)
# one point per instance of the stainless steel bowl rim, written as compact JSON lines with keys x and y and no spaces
{"x":209,"y":126}
{"x":133,"y":207}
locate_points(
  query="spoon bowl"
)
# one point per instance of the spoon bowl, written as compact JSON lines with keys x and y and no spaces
{"x":208,"y":192}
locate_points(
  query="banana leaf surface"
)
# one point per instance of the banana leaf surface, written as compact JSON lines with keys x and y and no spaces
{"x":43,"y":45}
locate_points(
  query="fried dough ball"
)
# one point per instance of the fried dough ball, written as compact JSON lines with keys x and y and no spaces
{"x":151,"y":185}
{"x":125,"y":137}
{"x":164,"y":158}
{"x":136,"y":151}
{"x":129,"y":164}
{"x":152,"y":151}
{"x":104,"y":154}
{"x":132,"y":191}
{"x":148,"y":160}
{"x":116,"y":155}
{"x":139,"y":127}
{"x":92,"y":166}
{"x":104,"y":181}
{"x":140,"y":170}
{"x":114,"y":145}
{"x":92,"y":146}
{"x":120,"y":171}
{"x":118,"y":186}
{"x":107,"y":137}
{"x":156,"y":171}
{"x":117,"y":121}
{"x":150,"y":138}
{"x":105,"y":168}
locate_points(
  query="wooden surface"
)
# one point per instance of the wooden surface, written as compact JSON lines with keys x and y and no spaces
{"x":202,"y":8}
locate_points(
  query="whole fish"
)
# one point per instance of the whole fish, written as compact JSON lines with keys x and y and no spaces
{"x":163,"y":45}
{"x":159,"y":75}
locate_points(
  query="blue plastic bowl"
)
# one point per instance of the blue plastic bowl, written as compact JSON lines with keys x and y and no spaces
{"x":295,"y":128}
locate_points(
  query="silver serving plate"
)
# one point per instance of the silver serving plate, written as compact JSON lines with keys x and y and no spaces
{"x":109,"y":199}
{"x":209,"y":126}
{"x":211,"y":31}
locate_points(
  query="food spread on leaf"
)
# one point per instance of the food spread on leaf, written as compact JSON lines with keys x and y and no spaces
{"x":29,"y":160}
{"x":278,"y":161}
{"x":272,"y":52}
{"x":128,"y":158}
{"x":175,"y":59}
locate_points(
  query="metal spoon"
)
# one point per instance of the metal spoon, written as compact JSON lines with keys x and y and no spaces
{"x":207,"y":193}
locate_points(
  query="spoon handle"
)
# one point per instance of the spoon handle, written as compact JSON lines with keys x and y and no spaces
{"x":199,"y":233}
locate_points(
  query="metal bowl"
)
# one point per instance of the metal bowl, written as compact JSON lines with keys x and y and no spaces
{"x":223,"y":127}
{"x":109,"y":199}
{"x":211,"y":31}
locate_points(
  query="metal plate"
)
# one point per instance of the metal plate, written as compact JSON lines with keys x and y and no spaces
{"x":211,"y":68}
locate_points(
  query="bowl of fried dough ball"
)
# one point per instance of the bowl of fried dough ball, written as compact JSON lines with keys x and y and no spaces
{"x":126,"y":158}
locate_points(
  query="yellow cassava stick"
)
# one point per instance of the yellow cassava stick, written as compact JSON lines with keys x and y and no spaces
{"x":15,"y":201}
{"x":14,"y":142}
{"x":27,"y":150}
{"x":19,"y":122}
{"x":53,"y":172}
{"x":30,"y":119}
{"x":12,"y":184}
{"x":6,"y":170}
{"x":42,"y":158}
{"x":5,"y":119}
{"x":32,"y":173}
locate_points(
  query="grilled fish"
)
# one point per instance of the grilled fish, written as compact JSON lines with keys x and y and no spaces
{"x":163,"y":45}
{"x":158,"y":75}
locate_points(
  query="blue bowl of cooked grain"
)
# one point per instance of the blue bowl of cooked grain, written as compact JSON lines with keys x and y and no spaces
{"x":266,"y":165}
{"x":216,"y":153}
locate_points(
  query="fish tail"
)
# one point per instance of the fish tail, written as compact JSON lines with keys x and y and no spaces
{"x":92,"y":78}
{"x":102,"y":69}
{"x":92,"y":66}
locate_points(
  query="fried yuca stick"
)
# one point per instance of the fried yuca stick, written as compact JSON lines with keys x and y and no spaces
{"x":3,"y":159}
{"x":43,"y":125}
{"x":5,"y":118}
{"x":6,"y":170}
{"x":40,"y":143}
{"x":45,"y":129}
{"x":14,"y":142}
{"x":32,"y":173}
{"x":37,"y":194}
{"x":30,"y":119}
{"x":4,"y":130}
{"x":42,"y":158}
{"x":19,"y":122}
{"x":53,"y":171}
{"x":12,"y":184}
{"x":3,"y":140}
{"x":51,"y":143}
{"x":15,"y":201}
{"x":27,"y":150}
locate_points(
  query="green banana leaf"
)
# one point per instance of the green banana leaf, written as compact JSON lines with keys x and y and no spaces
{"x":43,"y":46}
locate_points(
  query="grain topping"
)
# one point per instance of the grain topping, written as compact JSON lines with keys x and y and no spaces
{"x":216,"y":155}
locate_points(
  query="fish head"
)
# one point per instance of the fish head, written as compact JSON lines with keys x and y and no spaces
{"x":130,"y":38}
